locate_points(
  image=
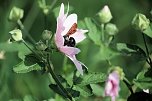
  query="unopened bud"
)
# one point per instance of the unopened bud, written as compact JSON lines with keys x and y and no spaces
{"x":16,"y":14}
{"x":105,"y":15}
{"x":119,"y":70}
{"x":140,"y":22}
{"x":40,"y":46}
{"x":16,"y":35}
{"x":111,"y":29}
{"x":46,"y":35}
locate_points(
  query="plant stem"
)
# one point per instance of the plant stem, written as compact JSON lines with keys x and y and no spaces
{"x":50,"y":66}
{"x":128,"y":85}
{"x":149,"y":61}
{"x":26,"y":32}
{"x":102,"y":31}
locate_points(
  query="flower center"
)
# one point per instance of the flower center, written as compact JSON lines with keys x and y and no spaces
{"x":69,"y":41}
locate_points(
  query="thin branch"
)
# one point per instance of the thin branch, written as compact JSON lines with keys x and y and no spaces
{"x":128,"y":85}
{"x":149,"y":61}
{"x":50,"y":66}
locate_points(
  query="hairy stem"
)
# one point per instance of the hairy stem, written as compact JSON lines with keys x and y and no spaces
{"x":50,"y":66}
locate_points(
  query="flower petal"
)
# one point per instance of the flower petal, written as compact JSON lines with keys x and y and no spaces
{"x":69,"y":21}
{"x":61,"y":12}
{"x":58,"y":37}
{"x":77,"y":63}
{"x":69,"y":50}
{"x":79,"y":35}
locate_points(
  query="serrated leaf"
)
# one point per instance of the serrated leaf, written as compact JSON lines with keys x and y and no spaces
{"x":148,"y":31}
{"x":22,"y":68}
{"x":84,"y":90}
{"x":92,"y":78}
{"x":94,"y":34}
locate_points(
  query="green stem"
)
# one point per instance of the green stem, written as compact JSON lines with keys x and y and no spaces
{"x":50,"y":66}
{"x":149,"y":61}
{"x":102,"y":31}
{"x":128,"y":85}
{"x":26,"y":32}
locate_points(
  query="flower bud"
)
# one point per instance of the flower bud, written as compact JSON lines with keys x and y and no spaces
{"x":140,"y":22}
{"x":105,"y":15}
{"x":40,"y":46}
{"x":111,"y":29}
{"x":46,"y":35}
{"x":119,"y":70}
{"x":16,"y":14}
{"x":16,"y":35}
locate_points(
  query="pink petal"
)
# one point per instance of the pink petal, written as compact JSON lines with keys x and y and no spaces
{"x":69,"y":50}
{"x":112,"y":85}
{"x":77,"y":63}
{"x":58,"y":37}
{"x":61,"y":12}
{"x":79,"y":35}
{"x":69,"y":21}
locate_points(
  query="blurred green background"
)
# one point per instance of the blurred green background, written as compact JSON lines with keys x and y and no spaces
{"x":17,"y":86}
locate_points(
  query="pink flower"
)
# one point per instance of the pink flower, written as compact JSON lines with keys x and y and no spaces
{"x":67,"y":35}
{"x":112,"y":85}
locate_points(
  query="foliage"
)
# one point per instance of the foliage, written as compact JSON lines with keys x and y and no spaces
{"x":33,"y":69}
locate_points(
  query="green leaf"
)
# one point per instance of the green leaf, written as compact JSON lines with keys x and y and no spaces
{"x":92,"y":78}
{"x":57,"y":89}
{"x":84,"y":90}
{"x":23,"y":68}
{"x":13,"y":47}
{"x":94,"y":34}
{"x":71,"y":91}
{"x":131,"y":50}
{"x":148,"y":31}
{"x":74,"y":93}
{"x":143,"y":82}
{"x":149,"y":73}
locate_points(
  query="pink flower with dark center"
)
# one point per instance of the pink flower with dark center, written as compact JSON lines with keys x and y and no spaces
{"x":112,"y":85}
{"x":68,"y":35}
